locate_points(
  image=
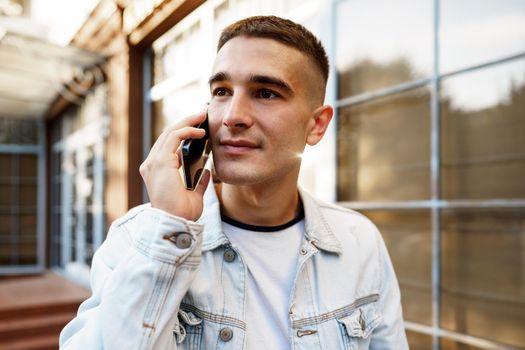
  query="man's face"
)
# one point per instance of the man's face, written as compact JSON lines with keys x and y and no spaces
{"x":260,"y":112}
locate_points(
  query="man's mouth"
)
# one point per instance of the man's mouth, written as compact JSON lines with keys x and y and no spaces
{"x":237,"y":146}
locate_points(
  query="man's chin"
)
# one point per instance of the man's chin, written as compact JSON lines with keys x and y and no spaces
{"x":238,"y":177}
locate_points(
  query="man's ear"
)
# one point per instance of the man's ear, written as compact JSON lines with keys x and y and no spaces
{"x":319,"y":123}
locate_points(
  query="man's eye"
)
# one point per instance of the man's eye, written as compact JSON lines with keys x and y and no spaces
{"x":266,"y":94}
{"x":220,"y":92}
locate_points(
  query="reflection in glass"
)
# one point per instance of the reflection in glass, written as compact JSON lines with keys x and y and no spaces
{"x":177,"y":54}
{"x":28,"y":195}
{"x":28,"y":165}
{"x":179,"y":104}
{"x":474,"y":31}
{"x":28,"y":225}
{"x":5,"y":165}
{"x":183,"y":50}
{"x":18,"y":131}
{"x":483,"y":128}
{"x":7,"y":196}
{"x":407,"y":237}
{"x":483,"y":279}
{"x":449,"y":344}
{"x":27,"y":251}
{"x":55,"y":198}
{"x":383,"y":149}
{"x":179,"y":89}
{"x":381,"y":43}
{"x":419,"y":341}
{"x":222,"y":17}
{"x":5,"y":227}
{"x":6,"y":254}
{"x":159,"y":73}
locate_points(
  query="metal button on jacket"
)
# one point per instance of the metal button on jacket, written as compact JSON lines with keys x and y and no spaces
{"x":226,"y":334}
{"x":229,"y":255}
{"x":183,"y":240}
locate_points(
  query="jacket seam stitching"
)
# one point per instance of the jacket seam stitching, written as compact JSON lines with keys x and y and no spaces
{"x":130,"y":217}
{"x":380,"y":259}
{"x":335,"y":314}
{"x":214,"y":318}
{"x":157,"y":297}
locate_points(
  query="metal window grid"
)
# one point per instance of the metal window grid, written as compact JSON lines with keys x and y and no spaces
{"x":435,"y":204}
{"x":39,"y":151}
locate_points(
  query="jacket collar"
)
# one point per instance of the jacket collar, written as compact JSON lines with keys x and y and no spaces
{"x":211,"y":219}
{"x":317,"y":230}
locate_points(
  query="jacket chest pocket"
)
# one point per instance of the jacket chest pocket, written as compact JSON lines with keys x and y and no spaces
{"x":188,"y":331}
{"x":202,"y":330}
{"x":357,"y":327}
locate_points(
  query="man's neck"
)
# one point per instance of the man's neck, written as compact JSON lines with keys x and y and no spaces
{"x":261,"y":205}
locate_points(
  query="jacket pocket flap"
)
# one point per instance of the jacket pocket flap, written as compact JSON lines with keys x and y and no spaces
{"x":361,"y":322}
{"x":184,"y":319}
{"x":189,"y":318}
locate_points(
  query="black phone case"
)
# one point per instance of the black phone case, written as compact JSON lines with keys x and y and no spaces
{"x":192,"y":152}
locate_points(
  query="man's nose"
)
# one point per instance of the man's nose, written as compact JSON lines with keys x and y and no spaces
{"x":238,"y":113}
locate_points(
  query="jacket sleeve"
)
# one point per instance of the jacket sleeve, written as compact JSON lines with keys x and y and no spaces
{"x":138,"y":279}
{"x":390,"y":334}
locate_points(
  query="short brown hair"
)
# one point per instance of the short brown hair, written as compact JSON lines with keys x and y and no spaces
{"x":282,"y":30}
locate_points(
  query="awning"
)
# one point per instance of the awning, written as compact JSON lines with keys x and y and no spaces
{"x":33,"y":73}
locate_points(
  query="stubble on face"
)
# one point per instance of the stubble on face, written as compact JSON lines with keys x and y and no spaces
{"x":279,"y":126}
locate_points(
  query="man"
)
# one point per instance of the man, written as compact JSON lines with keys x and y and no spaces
{"x":253,"y":262}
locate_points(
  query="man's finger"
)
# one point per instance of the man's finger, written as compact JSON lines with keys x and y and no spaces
{"x":166,"y":133}
{"x":192,"y":120}
{"x":175,"y":138}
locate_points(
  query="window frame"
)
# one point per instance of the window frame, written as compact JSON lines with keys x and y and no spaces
{"x":41,"y":178}
{"x":435,"y":204}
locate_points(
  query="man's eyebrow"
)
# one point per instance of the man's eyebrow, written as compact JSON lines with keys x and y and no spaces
{"x":258,"y":79}
{"x":220,"y":76}
{"x":268,"y":80}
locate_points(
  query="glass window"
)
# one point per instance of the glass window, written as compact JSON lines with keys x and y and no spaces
{"x":483,"y":147}
{"x":28,"y":132}
{"x":28,"y":195}
{"x":483,"y":280}
{"x":384,"y":149}
{"x":449,"y":344}
{"x":77,"y":178}
{"x":292,"y":4}
{"x":28,"y":165}
{"x":5,"y":228}
{"x":6,"y":199}
{"x":18,"y":219}
{"x":384,"y":154}
{"x":27,"y":251}
{"x":179,"y":90}
{"x":419,"y":341}
{"x":19,"y":131}
{"x":381,"y":43}
{"x":179,"y":58}
{"x":177,"y":105}
{"x":222,"y":15}
{"x":6,"y":252}
{"x":5,"y":165}
{"x":407,"y":237}
{"x":474,"y":32}
{"x":28,"y":225}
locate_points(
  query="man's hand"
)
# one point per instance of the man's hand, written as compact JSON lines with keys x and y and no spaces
{"x":160,"y":171}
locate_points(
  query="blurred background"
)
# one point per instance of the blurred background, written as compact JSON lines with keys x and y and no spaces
{"x":428,"y":141}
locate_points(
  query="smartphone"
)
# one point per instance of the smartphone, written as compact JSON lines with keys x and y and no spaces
{"x":195,"y":153}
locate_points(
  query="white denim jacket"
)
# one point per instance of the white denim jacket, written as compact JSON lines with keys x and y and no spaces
{"x":150,"y":294}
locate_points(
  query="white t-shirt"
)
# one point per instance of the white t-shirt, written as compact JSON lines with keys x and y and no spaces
{"x":270,"y":254}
